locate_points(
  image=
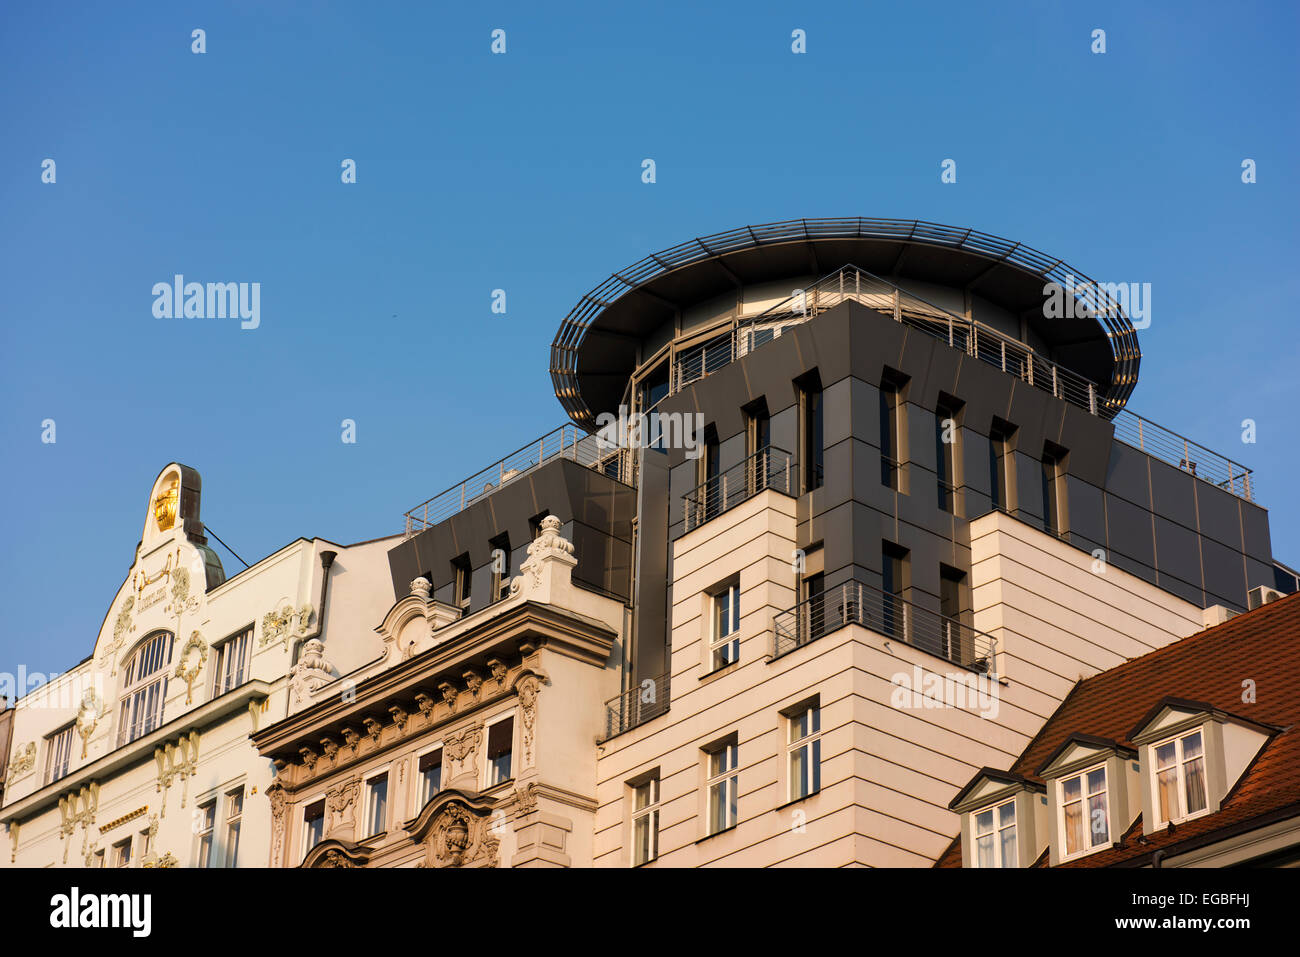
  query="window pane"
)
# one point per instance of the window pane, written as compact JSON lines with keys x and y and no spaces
{"x":1164,"y":755}
{"x":984,"y":850}
{"x":1194,"y":772}
{"x":1008,"y":841}
{"x":984,"y":822}
{"x":1167,"y":793}
{"x":1097,"y":816}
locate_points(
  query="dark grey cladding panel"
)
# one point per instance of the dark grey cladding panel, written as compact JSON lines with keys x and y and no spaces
{"x":865,"y":404}
{"x":609,"y":564}
{"x":1178,"y":551}
{"x":1127,"y":564}
{"x":1259,"y":543}
{"x":986,"y":392}
{"x":942,"y":375}
{"x":1260,"y":573}
{"x":1088,"y":439}
{"x":1087,"y":512}
{"x":652,"y":600}
{"x":1225,"y":573}
{"x":1184,"y":590}
{"x":921,"y":506}
{"x":1130,"y":531}
{"x":976,"y":504}
{"x":1127,"y":476}
{"x":721,"y":396}
{"x":921,"y":425}
{"x":682,"y":478}
{"x":770,"y":373}
{"x":596,"y":500}
{"x":976,"y":466}
{"x":1029,"y":489}
{"x":1086,"y":544}
{"x":830,"y":334}
{"x":1173,"y":493}
{"x":876,"y":342}
{"x":1219,"y":515}
{"x":838,"y":421}
{"x":1036,"y":416}
{"x":837,"y":474}
{"x":918,"y":357}
{"x":866,"y":485}
{"x":844,"y":530}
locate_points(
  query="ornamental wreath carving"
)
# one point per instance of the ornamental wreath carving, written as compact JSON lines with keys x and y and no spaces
{"x":188,"y":672}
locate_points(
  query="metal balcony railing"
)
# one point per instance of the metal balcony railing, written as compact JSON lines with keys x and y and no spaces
{"x":567,"y":441}
{"x":857,"y":603}
{"x":977,"y":340}
{"x":637,"y":705}
{"x":768,"y":468}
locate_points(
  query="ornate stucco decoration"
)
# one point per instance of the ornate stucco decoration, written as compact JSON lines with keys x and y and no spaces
{"x":373,"y":728}
{"x":460,"y":750}
{"x":449,"y":693}
{"x":177,"y":760}
{"x":167,"y":860}
{"x":88,"y":715}
{"x":400,"y":718}
{"x":341,"y":803}
{"x":24,"y":760}
{"x":473,"y":681}
{"x":421,"y":587}
{"x":426,"y":705}
{"x":330,"y":747}
{"x":122,"y":627}
{"x":117,"y":822}
{"x":336,"y":853}
{"x":13,"y":840}
{"x":166,"y":503}
{"x":78,"y":807}
{"x":498,"y":669}
{"x":285,"y":623}
{"x":548,"y":548}
{"x":279,"y":801}
{"x":312,"y":672}
{"x":526,"y":799}
{"x":309,"y":758}
{"x":456,"y":830}
{"x":190,"y":662}
{"x":527,"y":688}
{"x":351,"y":739}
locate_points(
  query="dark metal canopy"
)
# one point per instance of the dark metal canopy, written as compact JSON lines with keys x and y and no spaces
{"x":595,"y":350}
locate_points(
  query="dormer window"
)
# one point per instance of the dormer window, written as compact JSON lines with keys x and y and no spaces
{"x":1085,"y":811}
{"x":995,"y":836}
{"x":1180,"y":777}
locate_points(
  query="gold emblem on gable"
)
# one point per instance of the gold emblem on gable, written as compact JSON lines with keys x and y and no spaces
{"x":165,"y":505}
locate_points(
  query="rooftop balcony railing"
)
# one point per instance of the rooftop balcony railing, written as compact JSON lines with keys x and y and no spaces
{"x":857,"y":603}
{"x":982,"y":342}
{"x":637,"y":705}
{"x":567,"y":441}
{"x":768,"y":468}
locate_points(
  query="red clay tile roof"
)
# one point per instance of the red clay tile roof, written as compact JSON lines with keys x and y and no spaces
{"x":1210,"y":666}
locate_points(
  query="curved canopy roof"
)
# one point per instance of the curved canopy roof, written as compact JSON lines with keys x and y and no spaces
{"x":595,"y":350}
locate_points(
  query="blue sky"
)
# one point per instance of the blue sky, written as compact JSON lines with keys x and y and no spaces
{"x":522,"y":172}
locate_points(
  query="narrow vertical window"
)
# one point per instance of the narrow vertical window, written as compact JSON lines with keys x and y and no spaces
{"x":1085,"y":813}
{"x":723,"y":785}
{"x":1053,"y":476}
{"x":462,"y":574}
{"x":1180,"y":777}
{"x":500,"y":749}
{"x":122,"y":854}
{"x":500,"y":567}
{"x":947,"y":435}
{"x":234,"y":818}
{"x":724,"y":642}
{"x":890,"y":406}
{"x":952,"y":585}
{"x":804,"y":752}
{"x":430,"y":771}
{"x":1002,"y":465}
{"x":811,"y":433}
{"x":645,"y":822}
{"x":204,"y":822}
{"x":377,"y":805}
{"x":231,"y":662}
{"x":58,"y":753}
{"x":313,"y":821}
{"x":758,"y":441}
{"x":894,"y":573}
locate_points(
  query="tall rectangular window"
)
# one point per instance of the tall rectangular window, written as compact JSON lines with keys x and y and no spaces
{"x":811,"y":433}
{"x":891,"y":433}
{"x":995,"y":836}
{"x":500,"y":750}
{"x":804,"y":752}
{"x":758,"y":441}
{"x":723,"y":787}
{"x":377,"y":805}
{"x":1180,"y":777}
{"x":811,"y":585}
{"x":313,"y":825}
{"x":204,"y":822}
{"x":1053,"y":502}
{"x":462,"y":574}
{"x":1085,"y":811}
{"x":234,"y":818}
{"x":1002,"y":465}
{"x":645,"y":822}
{"x":947,"y":435}
{"x":58,"y":753}
{"x":430,"y":771}
{"x":952,"y":584}
{"x":724,"y":639}
{"x":894,"y":583}
{"x":500,"y":567}
{"x":231,"y":662}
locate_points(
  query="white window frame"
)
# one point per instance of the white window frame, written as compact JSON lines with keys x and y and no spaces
{"x":723,"y":777}
{"x":487,"y":761}
{"x":234,"y":816}
{"x":720,"y":641}
{"x":135,"y":722}
{"x":995,"y":832}
{"x":368,"y":802}
{"x":1180,"y":763}
{"x":421,"y":799}
{"x":124,"y":844}
{"x":1089,"y":844}
{"x":304,"y":827}
{"x":242,"y":641}
{"x":209,"y":831}
{"x":58,"y":753}
{"x":647,"y":812}
{"x":810,"y":743}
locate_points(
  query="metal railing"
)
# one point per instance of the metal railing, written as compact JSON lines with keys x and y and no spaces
{"x":768,"y":468}
{"x":637,"y":705}
{"x":857,"y":603}
{"x":567,"y":441}
{"x":977,"y":340}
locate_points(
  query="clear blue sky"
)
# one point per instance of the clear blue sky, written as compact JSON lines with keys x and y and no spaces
{"x":522,"y":172}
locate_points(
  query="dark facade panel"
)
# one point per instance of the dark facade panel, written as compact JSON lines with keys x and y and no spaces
{"x":1129,"y":532}
{"x":1177,"y":552}
{"x":1173,"y":494}
{"x":1219,"y":515}
{"x":1128,"y":476}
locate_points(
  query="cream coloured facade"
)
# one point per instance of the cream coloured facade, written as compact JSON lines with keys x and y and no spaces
{"x":140,"y":755}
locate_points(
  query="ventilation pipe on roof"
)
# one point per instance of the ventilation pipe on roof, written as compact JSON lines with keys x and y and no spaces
{"x":326,"y":560}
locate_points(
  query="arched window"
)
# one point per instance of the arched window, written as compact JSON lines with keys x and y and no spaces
{"x":144,"y":686}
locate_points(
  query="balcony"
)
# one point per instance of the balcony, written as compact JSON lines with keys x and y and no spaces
{"x":857,"y":603}
{"x":637,"y":705}
{"x":851,"y":284}
{"x":768,"y":468}
{"x":567,"y":441}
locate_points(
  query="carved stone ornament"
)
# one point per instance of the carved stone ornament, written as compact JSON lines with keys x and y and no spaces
{"x":312,"y":672}
{"x":179,"y":760}
{"x":167,"y":860}
{"x":279,"y":801}
{"x":190,"y":663}
{"x":425,"y":704}
{"x":373,"y":728}
{"x":88,"y":715}
{"x":461,"y":748}
{"x":335,"y":858}
{"x":421,"y":587}
{"x":526,"y":799}
{"x":400,"y":717}
{"x":24,"y":760}
{"x":548,"y":546}
{"x":461,"y":836}
{"x":330,"y":746}
{"x":280,"y":625}
{"x":528,"y":687}
{"x":122,"y":627}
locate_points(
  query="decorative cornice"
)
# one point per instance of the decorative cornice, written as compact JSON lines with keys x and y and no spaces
{"x":138,"y":812}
